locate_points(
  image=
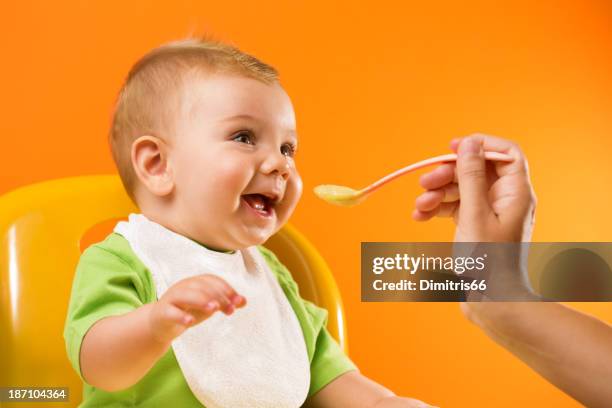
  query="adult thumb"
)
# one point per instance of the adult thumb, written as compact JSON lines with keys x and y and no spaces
{"x":472,"y":178}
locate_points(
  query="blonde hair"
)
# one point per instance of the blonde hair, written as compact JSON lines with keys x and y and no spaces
{"x":151,"y":94}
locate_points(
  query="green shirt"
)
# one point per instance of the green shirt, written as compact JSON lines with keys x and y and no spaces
{"x":111,"y":280}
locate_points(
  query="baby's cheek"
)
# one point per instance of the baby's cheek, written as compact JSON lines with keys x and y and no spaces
{"x":292,"y":196}
{"x":296,"y":185}
{"x":231,"y":178}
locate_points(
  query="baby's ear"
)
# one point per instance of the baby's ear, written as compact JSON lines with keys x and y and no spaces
{"x":150,"y":162}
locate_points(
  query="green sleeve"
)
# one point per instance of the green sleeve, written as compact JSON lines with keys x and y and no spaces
{"x":104,"y":284}
{"x":327,"y":359}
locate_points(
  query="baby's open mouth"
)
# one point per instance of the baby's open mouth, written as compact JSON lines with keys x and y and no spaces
{"x":260,"y":203}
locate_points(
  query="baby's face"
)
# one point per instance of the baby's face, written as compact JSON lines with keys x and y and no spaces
{"x":234,"y":147}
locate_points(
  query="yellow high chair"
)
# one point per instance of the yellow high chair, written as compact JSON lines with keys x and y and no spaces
{"x":43,"y":229}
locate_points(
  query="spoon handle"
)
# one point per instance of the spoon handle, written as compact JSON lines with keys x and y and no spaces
{"x":423,"y":163}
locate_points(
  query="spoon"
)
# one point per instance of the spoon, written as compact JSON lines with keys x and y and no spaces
{"x":348,"y":197}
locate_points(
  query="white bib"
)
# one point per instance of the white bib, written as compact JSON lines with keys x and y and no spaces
{"x":255,"y":357}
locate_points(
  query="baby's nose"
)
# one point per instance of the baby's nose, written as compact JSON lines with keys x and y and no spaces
{"x":278,"y":163}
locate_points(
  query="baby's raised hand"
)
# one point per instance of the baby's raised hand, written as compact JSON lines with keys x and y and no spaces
{"x":191,"y":301}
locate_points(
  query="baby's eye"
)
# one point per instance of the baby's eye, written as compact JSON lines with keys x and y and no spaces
{"x":244,"y":135}
{"x":290,"y":149}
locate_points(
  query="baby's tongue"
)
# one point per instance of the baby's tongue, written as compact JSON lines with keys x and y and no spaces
{"x":254,"y":200}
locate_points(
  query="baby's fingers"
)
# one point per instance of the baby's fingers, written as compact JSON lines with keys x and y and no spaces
{"x":171,"y":313}
{"x":204,"y":313}
{"x":190,"y":299}
{"x":196,"y":306}
{"x":227,"y":297}
{"x":168,"y":321}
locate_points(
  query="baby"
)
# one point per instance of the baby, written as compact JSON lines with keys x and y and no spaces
{"x":204,"y":139}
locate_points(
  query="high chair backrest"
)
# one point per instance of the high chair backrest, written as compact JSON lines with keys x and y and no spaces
{"x":45,"y":227}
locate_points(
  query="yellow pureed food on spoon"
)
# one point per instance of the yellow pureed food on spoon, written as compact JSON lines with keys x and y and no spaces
{"x":339,"y":195}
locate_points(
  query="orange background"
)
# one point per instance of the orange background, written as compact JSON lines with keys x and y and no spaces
{"x":375,"y":87}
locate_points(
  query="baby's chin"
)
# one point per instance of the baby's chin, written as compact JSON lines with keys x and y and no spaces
{"x":244,"y":234}
{"x":257,"y":237}
{"x":257,"y":234}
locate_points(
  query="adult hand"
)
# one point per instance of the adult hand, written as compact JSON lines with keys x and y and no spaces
{"x":490,"y":201}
